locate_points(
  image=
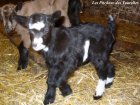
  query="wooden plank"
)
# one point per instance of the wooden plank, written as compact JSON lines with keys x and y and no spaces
{"x":126,"y":46}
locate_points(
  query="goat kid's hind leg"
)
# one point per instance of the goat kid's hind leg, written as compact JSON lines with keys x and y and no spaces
{"x":102,"y":74}
{"x":51,"y":91}
{"x":23,"y":57}
{"x":110,"y":75}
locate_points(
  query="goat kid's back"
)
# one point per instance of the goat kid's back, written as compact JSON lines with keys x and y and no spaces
{"x":74,"y":40}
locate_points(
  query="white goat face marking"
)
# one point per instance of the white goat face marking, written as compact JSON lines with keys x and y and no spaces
{"x":86,"y":48}
{"x":100,"y":87}
{"x":38,"y":26}
{"x":38,"y":44}
{"x":109,"y":80}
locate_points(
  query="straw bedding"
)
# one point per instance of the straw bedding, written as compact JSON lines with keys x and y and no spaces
{"x":28,"y":87}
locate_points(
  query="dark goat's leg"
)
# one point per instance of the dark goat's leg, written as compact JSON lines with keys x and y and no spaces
{"x":110,"y":75}
{"x":51,"y":91}
{"x":74,"y":9}
{"x":23,"y":57}
{"x":62,"y":81}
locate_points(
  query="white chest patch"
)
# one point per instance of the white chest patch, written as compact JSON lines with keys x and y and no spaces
{"x":37,"y":40}
{"x":38,"y":26}
{"x":46,"y":49}
{"x":38,"y":44}
{"x":86,"y":49}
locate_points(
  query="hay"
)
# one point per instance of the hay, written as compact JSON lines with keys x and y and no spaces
{"x":29,"y":86}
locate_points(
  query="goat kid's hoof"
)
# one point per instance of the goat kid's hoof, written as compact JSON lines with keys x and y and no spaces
{"x":23,"y":66}
{"x":20,"y":68}
{"x":48,"y":101}
{"x":66,"y":92}
{"x":108,"y":85}
{"x":97,"y":97}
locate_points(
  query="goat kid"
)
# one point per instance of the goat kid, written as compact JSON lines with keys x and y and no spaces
{"x":65,"y":49}
{"x":69,"y":9}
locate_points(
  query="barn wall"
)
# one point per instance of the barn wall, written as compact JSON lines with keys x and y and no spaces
{"x":130,"y":13}
{"x":2,"y":2}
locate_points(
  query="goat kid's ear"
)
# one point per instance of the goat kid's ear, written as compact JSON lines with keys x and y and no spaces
{"x":56,"y":15}
{"x":22,"y":20}
{"x":18,"y":6}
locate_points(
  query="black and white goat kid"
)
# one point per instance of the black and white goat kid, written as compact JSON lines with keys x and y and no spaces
{"x":65,"y":49}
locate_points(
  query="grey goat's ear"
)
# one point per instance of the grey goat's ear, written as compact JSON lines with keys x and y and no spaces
{"x":56,"y":16}
{"x":22,"y":20}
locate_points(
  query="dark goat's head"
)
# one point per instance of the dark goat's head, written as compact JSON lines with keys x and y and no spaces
{"x":39,"y":25}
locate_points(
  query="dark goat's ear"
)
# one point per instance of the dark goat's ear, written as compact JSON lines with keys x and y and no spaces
{"x":18,"y":6}
{"x":56,"y":15}
{"x":22,"y":20}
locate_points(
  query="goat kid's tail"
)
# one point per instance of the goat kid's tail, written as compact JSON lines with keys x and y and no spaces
{"x":111,"y":24}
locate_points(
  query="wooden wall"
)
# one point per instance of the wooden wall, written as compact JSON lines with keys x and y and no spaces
{"x":123,"y":11}
{"x":127,"y":12}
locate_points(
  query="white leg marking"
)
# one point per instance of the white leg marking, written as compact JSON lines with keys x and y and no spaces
{"x":100,"y":87}
{"x":109,"y":80}
{"x":38,"y":26}
{"x":86,"y":48}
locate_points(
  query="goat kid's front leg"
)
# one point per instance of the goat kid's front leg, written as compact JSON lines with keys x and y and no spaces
{"x":51,"y":91}
{"x":64,"y":87}
{"x":23,"y":57}
{"x":50,"y":94}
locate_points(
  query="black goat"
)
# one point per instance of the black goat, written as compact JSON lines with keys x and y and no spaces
{"x":65,"y":49}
